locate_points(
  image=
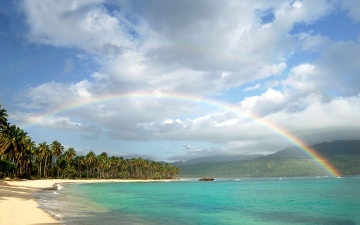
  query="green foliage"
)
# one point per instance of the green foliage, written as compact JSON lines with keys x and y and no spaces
{"x":157,"y":176}
{"x":124,"y":175}
{"x":6,"y":168}
{"x":346,"y":164}
{"x":69,"y":172}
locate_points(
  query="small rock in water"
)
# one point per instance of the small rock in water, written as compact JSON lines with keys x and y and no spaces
{"x":206,"y":179}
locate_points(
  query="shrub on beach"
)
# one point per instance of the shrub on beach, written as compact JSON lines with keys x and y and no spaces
{"x":6,"y":168}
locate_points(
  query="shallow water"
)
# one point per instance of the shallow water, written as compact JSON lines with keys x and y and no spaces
{"x":310,"y":200}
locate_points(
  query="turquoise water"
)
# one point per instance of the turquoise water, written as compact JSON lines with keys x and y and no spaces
{"x":322,"y":200}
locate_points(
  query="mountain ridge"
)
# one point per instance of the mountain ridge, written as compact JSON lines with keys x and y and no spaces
{"x":216,"y":158}
{"x":290,"y":161}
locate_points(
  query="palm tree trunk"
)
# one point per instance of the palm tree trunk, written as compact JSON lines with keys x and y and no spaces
{"x":45,"y":165}
{"x":39,"y":170}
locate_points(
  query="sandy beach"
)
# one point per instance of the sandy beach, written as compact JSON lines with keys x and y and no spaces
{"x":18,"y":205}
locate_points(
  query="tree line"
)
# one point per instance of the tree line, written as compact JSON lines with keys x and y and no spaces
{"x":21,"y":157}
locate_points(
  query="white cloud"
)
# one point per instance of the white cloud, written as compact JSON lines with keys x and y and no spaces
{"x":313,"y":43}
{"x":48,"y":95}
{"x":353,"y":7}
{"x":257,"y":86}
{"x":306,"y":11}
{"x":300,"y":78}
{"x":271,"y":84}
{"x":54,"y":95}
{"x":80,"y":24}
{"x":268,"y":102}
{"x":274,"y":69}
{"x":334,"y":120}
{"x":99,"y":77}
{"x":192,"y":149}
{"x":59,"y":123}
{"x":335,"y":71}
{"x":199,"y":49}
{"x":163,"y":46}
{"x":55,"y":123}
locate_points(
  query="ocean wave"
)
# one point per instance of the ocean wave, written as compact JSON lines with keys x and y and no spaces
{"x":58,"y":186}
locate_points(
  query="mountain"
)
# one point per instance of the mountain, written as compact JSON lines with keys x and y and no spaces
{"x":216,"y":158}
{"x":325,"y":149}
{"x":343,"y":155}
{"x":338,"y":147}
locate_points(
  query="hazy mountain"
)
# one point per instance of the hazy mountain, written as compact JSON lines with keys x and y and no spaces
{"x":344,"y":155}
{"x":325,"y":149}
{"x":338,"y":147}
{"x":216,"y":158}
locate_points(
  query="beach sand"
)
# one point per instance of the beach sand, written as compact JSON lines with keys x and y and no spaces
{"x":18,"y":205}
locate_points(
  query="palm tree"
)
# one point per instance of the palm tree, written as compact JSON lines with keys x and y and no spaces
{"x":146,"y":169}
{"x":153,"y":168}
{"x":139,"y":167}
{"x":115,"y":166}
{"x":57,"y":150}
{"x":43,"y":154}
{"x":3,"y":117}
{"x":27,"y":159}
{"x":24,"y":158}
{"x":102,"y":164}
{"x":70,"y":155}
{"x":80,"y":161}
{"x":132,"y":166}
{"x":13,"y":141}
{"x":124,"y":166}
{"x":90,"y":160}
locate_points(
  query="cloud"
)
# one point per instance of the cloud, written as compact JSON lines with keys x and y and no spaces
{"x":313,"y":43}
{"x":68,"y":65}
{"x":268,"y":102}
{"x":342,"y":70}
{"x":56,"y":123}
{"x":202,"y":50}
{"x":193,"y":152}
{"x":163,"y":46}
{"x":353,"y":8}
{"x":257,"y":86}
{"x":334,"y":120}
{"x":85,"y":25}
{"x":54,"y":95}
{"x":190,"y":148}
{"x":250,"y":147}
{"x":333,"y":73}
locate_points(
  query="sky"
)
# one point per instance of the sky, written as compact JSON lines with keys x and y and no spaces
{"x":174,"y":80}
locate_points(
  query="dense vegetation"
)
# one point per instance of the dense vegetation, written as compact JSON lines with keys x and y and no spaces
{"x":21,"y":157}
{"x":345,"y":156}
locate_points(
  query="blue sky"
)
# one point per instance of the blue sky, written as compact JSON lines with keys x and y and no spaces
{"x":191,"y":71}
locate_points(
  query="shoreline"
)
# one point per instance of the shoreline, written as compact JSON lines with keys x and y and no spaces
{"x":18,"y":205}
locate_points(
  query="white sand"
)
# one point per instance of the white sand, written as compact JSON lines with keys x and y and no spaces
{"x":19,"y":207}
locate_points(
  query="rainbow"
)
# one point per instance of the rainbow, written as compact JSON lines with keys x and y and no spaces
{"x":287,"y":135}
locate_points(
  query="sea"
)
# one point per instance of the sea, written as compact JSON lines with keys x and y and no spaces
{"x":300,"y":200}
